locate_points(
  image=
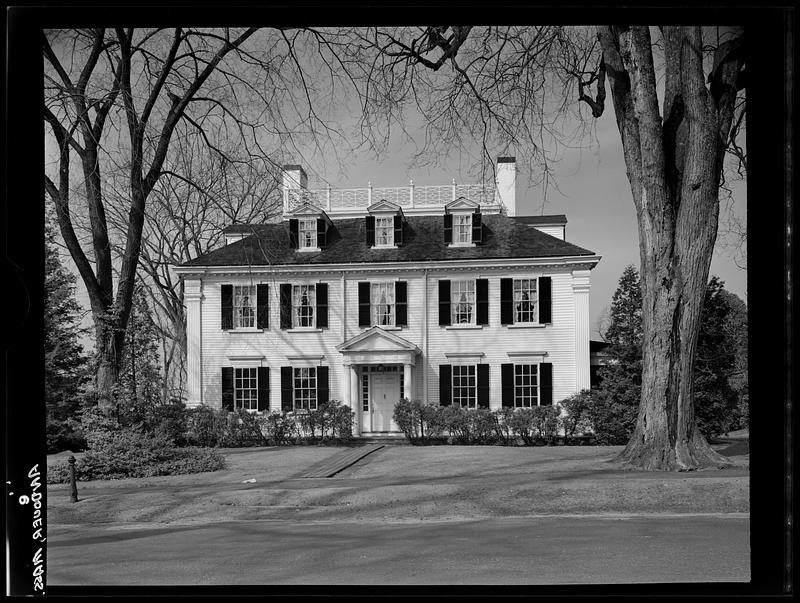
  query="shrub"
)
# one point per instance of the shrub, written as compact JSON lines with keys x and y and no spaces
{"x":280,"y":428}
{"x":576,"y":419}
{"x":545,"y":423}
{"x":206,"y":426}
{"x":458,"y":423}
{"x":124,"y":453}
{"x":612,"y":420}
{"x":521,"y":421}
{"x":330,"y":421}
{"x":241,"y":429}
{"x":484,"y":424}
{"x":419,"y":422}
{"x":170,"y":419}
{"x":503,"y":426}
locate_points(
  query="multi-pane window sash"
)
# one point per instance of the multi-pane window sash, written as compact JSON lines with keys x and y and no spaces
{"x":464,"y":386}
{"x":462,"y":302}
{"x":307,"y":233}
{"x":382,"y":304}
{"x":365,"y":390}
{"x":245,"y":388}
{"x":526,"y":385}
{"x":462,"y":228}
{"x":305,"y":388}
{"x":244,"y":306}
{"x":384,"y":231}
{"x":525,"y":300}
{"x":303,"y":304}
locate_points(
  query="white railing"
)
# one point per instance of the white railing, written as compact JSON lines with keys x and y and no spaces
{"x":404,"y":196}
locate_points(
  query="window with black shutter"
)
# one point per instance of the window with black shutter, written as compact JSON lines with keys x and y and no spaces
{"x":370,"y":223}
{"x":448,"y":228}
{"x":401,"y":301}
{"x":323,"y":391}
{"x":322,"y":230}
{"x":445,"y":385}
{"x":482,"y":299}
{"x":363,"y":304}
{"x":444,"y":303}
{"x":262,"y":301}
{"x":483,"y":386}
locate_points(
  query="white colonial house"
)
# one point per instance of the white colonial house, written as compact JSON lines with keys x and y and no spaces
{"x":367,"y":296}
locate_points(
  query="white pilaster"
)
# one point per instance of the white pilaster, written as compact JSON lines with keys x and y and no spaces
{"x":355,"y":397}
{"x":408,"y":384}
{"x":192,"y":298}
{"x":581,"y":284}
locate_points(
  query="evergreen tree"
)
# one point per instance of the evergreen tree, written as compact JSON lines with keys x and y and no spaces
{"x":66,"y":365}
{"x":617,"y":399}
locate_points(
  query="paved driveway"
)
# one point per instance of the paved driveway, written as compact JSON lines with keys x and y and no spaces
{"x":541,"y":550}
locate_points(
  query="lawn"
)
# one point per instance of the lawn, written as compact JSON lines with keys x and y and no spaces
{"x":409,"y":483}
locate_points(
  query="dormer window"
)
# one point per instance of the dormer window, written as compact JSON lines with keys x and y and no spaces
{"x":463,"y":226}
{"x":384,"y":225}
{"x":308,"y":228}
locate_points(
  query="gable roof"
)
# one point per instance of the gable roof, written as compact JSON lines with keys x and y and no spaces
{"x":534,"y":220}
{"x":376,"y":339}
{"x":504,"y":237}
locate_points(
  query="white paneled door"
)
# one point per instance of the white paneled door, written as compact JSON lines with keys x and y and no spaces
{"x":384,"y":394}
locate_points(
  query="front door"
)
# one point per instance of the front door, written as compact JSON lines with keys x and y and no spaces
{"x":384,"y":394}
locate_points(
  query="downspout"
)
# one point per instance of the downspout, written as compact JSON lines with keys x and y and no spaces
{"x":425,"y":335}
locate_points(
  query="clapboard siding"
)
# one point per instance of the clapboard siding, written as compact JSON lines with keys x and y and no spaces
{"x":494,"y":340}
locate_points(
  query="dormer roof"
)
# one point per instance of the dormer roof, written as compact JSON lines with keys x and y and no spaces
{"x":384,"y":206}
{"x":307,"y":210}
{"x":462,"y":204}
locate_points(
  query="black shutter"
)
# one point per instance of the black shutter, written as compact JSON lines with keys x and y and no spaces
{"x":444,"y":303}
{"x":227,"y":388}
{"x":477,"y":227}
{"x":322,"y":227}
{"x":323,"y":392}
{"x":370,"y":222}
{"x":445,"y":387}
{"x":507,"y":384}
{"x":293,"y":234}
{"x":506,"y":301}
{"x":286,"y":306}
{"x":398,"y":230}
{"x":448,"y":228}
{"x":262,"y":300}
{"x":263,"y":388}
{"x":287,"y":403}
{"x":227,"y":306}
{"x":322,"y":305}
{"x":483,"y":385}
{"x":363,"y":304}
{"x":401,"y":303}
{"x":545,"y":299}
{"x":482,"y":299}
{"x":546,"y":384}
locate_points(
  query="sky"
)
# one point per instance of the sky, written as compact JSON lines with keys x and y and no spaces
{"x":591,"y":188}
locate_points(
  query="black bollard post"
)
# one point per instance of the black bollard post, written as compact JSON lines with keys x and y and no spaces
{"x":73,"y":488}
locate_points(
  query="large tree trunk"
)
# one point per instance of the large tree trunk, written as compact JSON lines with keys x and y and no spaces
{"x":674,"y":170}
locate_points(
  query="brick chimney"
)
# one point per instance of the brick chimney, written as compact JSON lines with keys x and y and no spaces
{"x":507,"y":183}
{"x":294,"y":177}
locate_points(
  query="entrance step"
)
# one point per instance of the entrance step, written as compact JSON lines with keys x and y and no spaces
{"x":341,"y":461}
{"x":387,"y":440}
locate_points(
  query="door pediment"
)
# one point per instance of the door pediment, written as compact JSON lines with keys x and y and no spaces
{"x":377,"y":340}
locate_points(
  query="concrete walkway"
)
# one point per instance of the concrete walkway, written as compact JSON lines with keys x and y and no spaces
{"x":339,"y":462}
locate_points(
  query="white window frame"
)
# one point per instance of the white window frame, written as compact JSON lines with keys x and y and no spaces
{"x":375,"y":305}
{"x":244,"y":306}
{"x":464,"y":385}
{"x":521,"y":311}
{"x":307,"y":233}
{"x":304,"y":395}
{"x":309,"y":316}
{"x":463,"y":300}
{"x":526,"y":385}
{"x":384,"y":231}
{"x":245,"y":388}
{"x":462,"y":228}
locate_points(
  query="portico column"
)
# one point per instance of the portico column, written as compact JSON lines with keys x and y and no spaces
{"x":346,"y":393}
{"x":581,"y":283}
{"x":355,"y":397}
{"x":408,"y":384}
{"x":192,"y":297}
